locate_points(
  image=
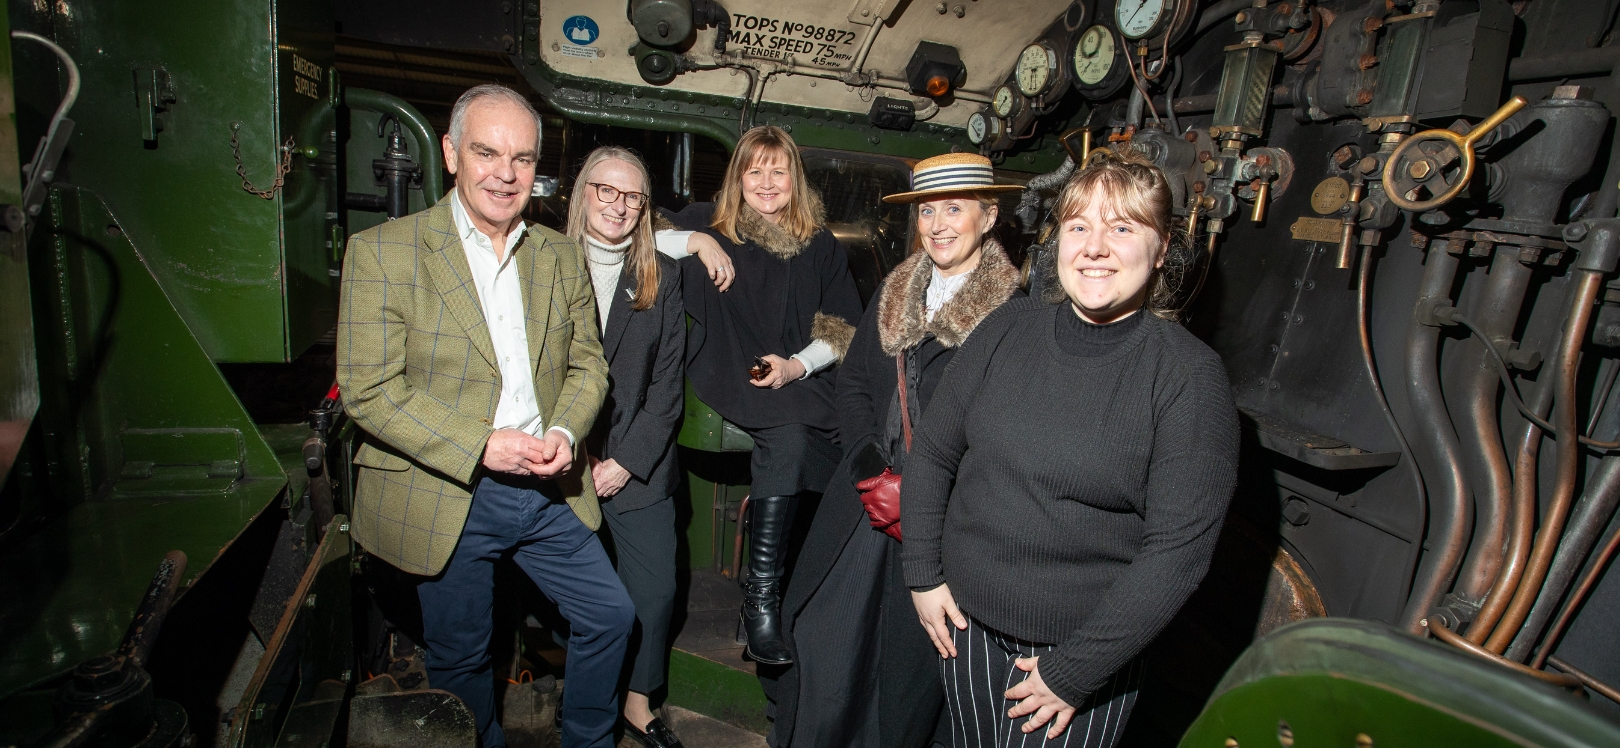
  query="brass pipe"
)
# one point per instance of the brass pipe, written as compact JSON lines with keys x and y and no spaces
{"x":1581,"y":591}
{"x":1347,"y":238}
{"x":1521,"y":533}
{"x":1583,"y":298}
{"x":1436,"y":627}
{"x":1085,"y":147}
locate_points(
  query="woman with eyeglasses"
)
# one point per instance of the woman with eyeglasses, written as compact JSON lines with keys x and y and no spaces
{"x":631,"y":447}
{"x":760,"y":352}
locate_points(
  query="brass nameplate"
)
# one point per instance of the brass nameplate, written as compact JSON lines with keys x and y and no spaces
{"x":1317,"y":230}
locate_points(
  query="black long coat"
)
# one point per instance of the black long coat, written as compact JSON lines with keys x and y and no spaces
{"x":864,"y":669}
{"x":637,"y":423}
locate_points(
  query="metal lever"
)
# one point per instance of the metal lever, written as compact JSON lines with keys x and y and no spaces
{"x":1421,"y":168}
{"x":1261,"y":195}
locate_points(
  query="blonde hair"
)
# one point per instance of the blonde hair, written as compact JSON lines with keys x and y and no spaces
{"x":642,"y":257}
{"x":800,"y":217}
{"x":1135,"y":189}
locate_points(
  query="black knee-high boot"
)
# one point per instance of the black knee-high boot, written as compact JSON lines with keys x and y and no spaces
{"x":762,"y":591}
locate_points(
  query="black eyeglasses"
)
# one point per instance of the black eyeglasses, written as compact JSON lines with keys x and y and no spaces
{"x":609,"y":194}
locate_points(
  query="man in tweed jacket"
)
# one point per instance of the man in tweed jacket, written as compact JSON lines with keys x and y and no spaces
{"x":468,"y":352}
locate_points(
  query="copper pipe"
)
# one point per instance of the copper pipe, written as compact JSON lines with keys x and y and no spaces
{"x":1521,"y":533}
{"x":1587,"y":522}
{"x":1436,"y":627}
{"x":1363,"y":326}
{"x":1451,"y":508}
{"x":1609,"y":692}
{"x":1582,"y":299}
{"x":1581,"y":591}
{"x":1496,"y":310}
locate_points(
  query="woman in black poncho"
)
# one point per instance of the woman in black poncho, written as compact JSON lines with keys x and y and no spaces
{"x":793,"y":306}
{"x":1069,"y":480}
{"x":864,"y":674}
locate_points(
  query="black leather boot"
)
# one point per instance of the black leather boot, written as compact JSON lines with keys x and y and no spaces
{"x":762,"y":590}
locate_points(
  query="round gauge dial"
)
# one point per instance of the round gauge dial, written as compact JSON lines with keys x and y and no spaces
{"x":1005,"y":101}
{"x":1094,"y":55}
{"x":1035,"y":67}
{"x":1139,"y":19}
{"x":978,"y":126}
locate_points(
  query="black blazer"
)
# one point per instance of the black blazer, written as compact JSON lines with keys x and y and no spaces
{"x":645,"y":351}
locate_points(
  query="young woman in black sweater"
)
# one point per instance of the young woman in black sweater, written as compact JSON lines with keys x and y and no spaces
{"x":1069,"y":480}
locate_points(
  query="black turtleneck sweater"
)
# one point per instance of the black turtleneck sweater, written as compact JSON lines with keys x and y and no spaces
{"x":1069,"y":482}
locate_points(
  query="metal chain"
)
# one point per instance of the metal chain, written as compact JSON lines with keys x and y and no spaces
{"x":281,"y":171}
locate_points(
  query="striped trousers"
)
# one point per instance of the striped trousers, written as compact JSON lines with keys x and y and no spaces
{"x":983,"y":670}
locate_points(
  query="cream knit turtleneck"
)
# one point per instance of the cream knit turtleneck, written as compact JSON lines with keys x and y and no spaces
{"x":606,"y":262}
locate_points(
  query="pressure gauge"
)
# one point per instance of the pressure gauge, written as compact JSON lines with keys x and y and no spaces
{"x":978,"y":126}
{"x":1036,"y":64}
{"x":1140,"y":19}
{"x":984,"y":127}
{"x":1098,"y":63}
{"x":1006,"y":102}
{"x":1094,"y":56}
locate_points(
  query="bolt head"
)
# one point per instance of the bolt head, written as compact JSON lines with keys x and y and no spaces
{"x":1364,"y":97}
{"x":1421,"y":169}
{"x":1575,"y":231}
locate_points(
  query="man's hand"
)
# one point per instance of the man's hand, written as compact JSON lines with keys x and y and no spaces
{"x":513,"y":451}
{"x":937,"y":610}
{"x":1035,"y":698}
{"x":556,"y":455}
{"x":783,"y":370}
{"x":608,"y":476}
{"x":714,"y":259}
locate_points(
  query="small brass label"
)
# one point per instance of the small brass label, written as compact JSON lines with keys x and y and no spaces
{"x":1316,"y":230}
{"x":1330,"y":195}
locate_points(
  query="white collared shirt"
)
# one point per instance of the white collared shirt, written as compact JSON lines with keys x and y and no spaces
{"x":940,"y":290}
{"x":500,"y":293}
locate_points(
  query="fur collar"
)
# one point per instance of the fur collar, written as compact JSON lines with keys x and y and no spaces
{"x":752,"y":227}
{"x":904,"y":298}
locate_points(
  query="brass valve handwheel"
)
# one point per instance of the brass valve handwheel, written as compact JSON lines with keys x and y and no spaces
{"x":1426,"y":156}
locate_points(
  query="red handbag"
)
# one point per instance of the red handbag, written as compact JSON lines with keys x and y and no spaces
{"x":880,"y":494}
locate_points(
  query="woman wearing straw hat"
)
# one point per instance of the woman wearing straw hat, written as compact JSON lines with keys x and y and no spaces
{"x":864,"y":671}
{"x":792,"y":308}
{"x":1063,"y":495}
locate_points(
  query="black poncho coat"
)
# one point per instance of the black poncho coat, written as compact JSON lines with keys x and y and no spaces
{"x":864,"y":670}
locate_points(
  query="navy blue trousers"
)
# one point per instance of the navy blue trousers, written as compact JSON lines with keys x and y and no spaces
{"x":514,"y":518}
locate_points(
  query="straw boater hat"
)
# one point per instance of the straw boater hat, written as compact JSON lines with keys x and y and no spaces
{"x":951,"y":172}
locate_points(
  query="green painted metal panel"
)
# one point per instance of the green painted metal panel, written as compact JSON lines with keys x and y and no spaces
{"x":721,"y":692}
{"x":362,"y":147}
{"x":252,"y":276}
{"x":1324,"y":682}
{"x":143,"y":447}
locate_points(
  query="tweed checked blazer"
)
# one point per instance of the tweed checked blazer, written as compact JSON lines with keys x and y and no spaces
{"x":417,"y":371}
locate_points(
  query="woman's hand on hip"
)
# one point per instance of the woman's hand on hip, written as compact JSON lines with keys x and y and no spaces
{"x":937,"y":610}
{"x":1035,"y":698}
{"x":714,"y":259}
{"x":609,"y":477}
{"x":783,"y":371}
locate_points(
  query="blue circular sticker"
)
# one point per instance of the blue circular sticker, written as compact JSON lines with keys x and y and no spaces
{"x":580,"y":30}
